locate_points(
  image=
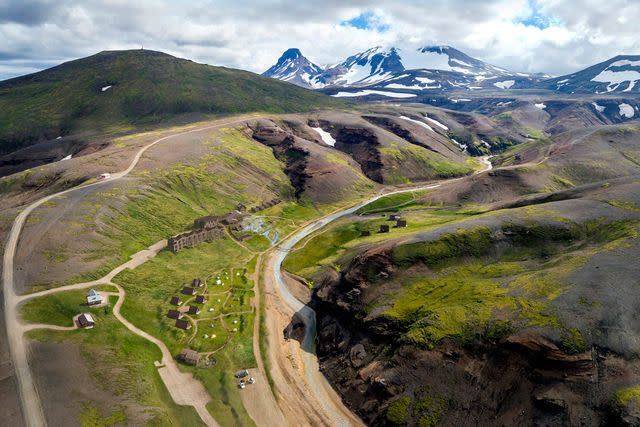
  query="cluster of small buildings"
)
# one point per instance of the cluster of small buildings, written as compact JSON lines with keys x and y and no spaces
{"x":85,"y":320}
{"x":205,"y":229}
{"x":385,"y":228}
{"x":178,"y":314}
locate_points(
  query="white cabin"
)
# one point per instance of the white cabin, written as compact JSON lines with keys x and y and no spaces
{"x":94,"y":297}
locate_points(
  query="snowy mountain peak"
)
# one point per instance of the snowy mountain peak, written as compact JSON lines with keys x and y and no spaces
{"x":291,"y":53}
{"x":294,"y":68}
{"x":618,"y":74}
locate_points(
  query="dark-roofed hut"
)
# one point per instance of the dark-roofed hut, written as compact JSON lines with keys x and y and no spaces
{"x":193,"y":310}
{"x":174,"y":314}
{"x":176,"y":301}
{"x":85,"y":320}
{"x":200,"y":299}
{"x":183,"y":324}
{"x":384,"y":228}
{"x":401,"y":223}
{"x":394,"y":217}
{"x":365,"y":233}
{"x":196,"y":283}
{"x":189,"y":356}
{"x":188,"y":291}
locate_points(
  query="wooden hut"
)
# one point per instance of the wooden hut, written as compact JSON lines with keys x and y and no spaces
{"x":183,"y":324}
{"x":188,"y":291}
{"x":189,"y":356}
{"x":174,"y":314}
{"x":85,"y":320}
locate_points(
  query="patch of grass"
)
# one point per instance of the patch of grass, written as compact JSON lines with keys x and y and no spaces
{"x":392,"y":202}
{"x":564,"y":183}
{"x":59,"y":308}
{"x":326,"y":247}
{"x":442,"y":306}
{"x":461,"y":298}
{"x":91,"y":417}
{"x":320,"y":247}
{"x":398,"y":411}
{"x":429,"y":409}
{"x":624,"y":204}
{"x":461,"y":243}
{"x":572,"y":342}
{"x":624,"y":396}
{"x":408,"y":163}
{"x":534,"y":133}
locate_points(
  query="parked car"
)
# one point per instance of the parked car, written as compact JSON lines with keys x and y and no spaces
{"x":241,"y":374}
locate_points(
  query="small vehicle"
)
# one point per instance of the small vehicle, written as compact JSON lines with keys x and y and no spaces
{"x":242,"y":384}
{"x":252,"y":380}
{"x":242,"y":373}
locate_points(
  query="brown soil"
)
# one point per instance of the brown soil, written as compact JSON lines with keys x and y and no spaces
{"x":63,"y":378}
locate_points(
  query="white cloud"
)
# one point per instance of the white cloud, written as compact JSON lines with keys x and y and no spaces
{"x":252,"y":34}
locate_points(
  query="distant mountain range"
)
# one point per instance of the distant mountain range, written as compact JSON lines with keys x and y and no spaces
{"x":388,"y":71}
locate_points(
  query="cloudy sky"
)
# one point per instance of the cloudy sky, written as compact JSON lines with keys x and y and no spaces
{"x":553,"y":36}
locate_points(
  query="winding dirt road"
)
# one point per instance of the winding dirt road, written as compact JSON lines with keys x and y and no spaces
{"x":29,"y":398}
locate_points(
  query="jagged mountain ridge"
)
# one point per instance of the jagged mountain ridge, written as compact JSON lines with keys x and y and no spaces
{"x":429,"y":67}
{"x":442,"y":68}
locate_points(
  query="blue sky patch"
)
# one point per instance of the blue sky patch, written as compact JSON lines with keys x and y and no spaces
{"x":535,"y":18}
{"x":366,"y":21}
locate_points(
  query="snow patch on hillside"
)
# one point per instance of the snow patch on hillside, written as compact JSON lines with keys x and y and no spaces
{"x":616,"y":77}
{"x":414,"y":59}
{"x":462,"y":147}
{"x":399,"y":86}
{"x":599,"y":108}
{"x":435,"y":122}
{"x":424,"y":125}
{"x":425,"y":80}
{"x":626,"y":110}
{"x":541,"y":106}
{"x":106,"y":88}
{"x":326,"y":136}
{"x":506,"y":84}
{"x":374,"y":92}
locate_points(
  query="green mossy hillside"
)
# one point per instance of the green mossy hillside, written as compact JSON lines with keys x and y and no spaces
{"x":145,"y":87}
